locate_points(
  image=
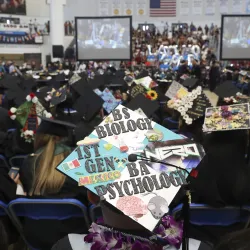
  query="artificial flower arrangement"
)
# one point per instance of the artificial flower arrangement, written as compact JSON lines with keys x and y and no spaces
{"x":239,"y":98}
{"x":183,"y":102}
{"x":151,"y":95}
{"x":29,"y":110}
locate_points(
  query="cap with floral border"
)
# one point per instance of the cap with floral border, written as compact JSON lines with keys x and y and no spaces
{"x":27,"y":115}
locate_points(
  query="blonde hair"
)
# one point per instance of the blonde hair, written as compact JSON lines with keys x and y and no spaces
{"x":47,"y":179}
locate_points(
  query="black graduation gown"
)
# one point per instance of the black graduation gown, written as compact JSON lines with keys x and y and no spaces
{"x":45,"y":233}
{"x":7,"y":194}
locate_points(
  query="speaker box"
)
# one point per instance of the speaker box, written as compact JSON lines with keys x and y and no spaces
{"x":58,"y":51}
{"x":69,"y":53}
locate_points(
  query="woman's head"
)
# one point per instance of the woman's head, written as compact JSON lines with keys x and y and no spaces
{"x":47,"y":179}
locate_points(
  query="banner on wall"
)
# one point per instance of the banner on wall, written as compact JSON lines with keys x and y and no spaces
{"x":184,"y":7}
{"x":141,"y":7}
{"x":13,"y":7}
{"x":210,"y":7}
{"x":248,"y":6}
{"x":103,"y":7}
{"x":224,"y":6}
{"x":237,"y":7}
{"x":128,"y":7}
{"x":116,"y":7}
{"x":197,"y":7}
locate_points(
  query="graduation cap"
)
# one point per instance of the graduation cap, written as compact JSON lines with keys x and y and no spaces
{"x":226,"y":89}
{"x":116,"y":153}
{"x":142,"y":74}
{"x":58,"y":96}
{"x":89,"y":103}
{"x":54,"y":127}
{"x":97,"y":82}
{"x":190,"y":83}
{"x":140,"y":101}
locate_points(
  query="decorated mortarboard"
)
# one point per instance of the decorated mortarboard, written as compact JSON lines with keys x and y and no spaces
{"x":58,"y":96}
{"x":110,"y":102}
{"x":54,"y":127}
{"x":27,"y":115}
{"x":147,"y":82}
{"x":147,"y":106}
{"x":75,"y":78}
{"x":226,"y":89}
{"x":89,"y":103}
{"x":173,"y":89}
{"x":102,"y":162}
{"x":232,"y":117}
{"x":190,"y":105}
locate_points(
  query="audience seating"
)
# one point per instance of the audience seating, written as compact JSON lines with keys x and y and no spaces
{"x":95,"y":212}
{"x":17,"y":161}
{"x":45,"y":209}
{"x":201,"y":214}
{"x":3,"y":162}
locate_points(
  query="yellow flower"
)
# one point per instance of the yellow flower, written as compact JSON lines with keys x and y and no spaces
{"x":152,"y":94}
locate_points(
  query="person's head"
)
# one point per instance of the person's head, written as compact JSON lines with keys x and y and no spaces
{"x":49,"y":154}
{"x":194,"y":62}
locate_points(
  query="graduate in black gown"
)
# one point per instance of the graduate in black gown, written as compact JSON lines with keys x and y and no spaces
{"x":40,"y":179}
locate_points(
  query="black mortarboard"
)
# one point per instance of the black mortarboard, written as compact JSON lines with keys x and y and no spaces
{"x":79,"y":86}
{"x":226,"y":89}
{"x":97,"y":82}
{"x":89,"y":103}
{"x":54,"y":127}
{"x":190,"y":83}
{"x":140,"y":101}
{"x":142,"y":74}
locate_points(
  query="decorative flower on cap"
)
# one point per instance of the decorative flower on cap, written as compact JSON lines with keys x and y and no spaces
{"x":12,"y":113}
{"x":152,"y":94}
{"x":32,"y":97}
{"x":28,"y":135}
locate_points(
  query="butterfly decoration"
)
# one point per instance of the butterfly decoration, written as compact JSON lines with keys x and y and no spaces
{"x":108,"y":120}
{"x":120,"y":162}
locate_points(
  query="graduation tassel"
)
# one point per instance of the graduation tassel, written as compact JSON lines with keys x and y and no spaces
{"x":185,"y":211}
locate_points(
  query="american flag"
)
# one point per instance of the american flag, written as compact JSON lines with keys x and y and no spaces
{"x":162,"y":8}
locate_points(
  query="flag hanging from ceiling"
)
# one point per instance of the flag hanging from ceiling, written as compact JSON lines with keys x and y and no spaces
{"x":162,"y":8}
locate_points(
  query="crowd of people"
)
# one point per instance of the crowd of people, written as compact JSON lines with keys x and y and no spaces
{"x":221,"y":179}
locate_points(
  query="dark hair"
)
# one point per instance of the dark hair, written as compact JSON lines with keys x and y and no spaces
{"x":235,"y":241}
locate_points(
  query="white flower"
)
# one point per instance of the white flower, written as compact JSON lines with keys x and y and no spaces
{"x":13,"y":117}
{"x":13,"y":110}
{"x":28,"y":98}
{"x":180,"y":109}
{"x":183,"y":113}
{"x":238,"y":94}
{"x":34,"y":99}
{"x":39,"y":120}
{"x":48,"y":115}
{"x":199,"y":88}
{"x":186,"y":108}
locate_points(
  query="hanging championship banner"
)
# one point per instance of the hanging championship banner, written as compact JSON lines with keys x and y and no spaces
{"x":210,"y":7}
{"x":184,"y":7}
{"x":141,"y":7}
{"x":128,"y":7}
{"x":197,"y":7}
{"x":224,"y":6}
{"x":103,"y":7}
{"x":237,"y":7}
{"x":116,"y":7}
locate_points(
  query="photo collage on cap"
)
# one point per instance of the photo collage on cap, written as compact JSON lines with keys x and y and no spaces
{"x":104,"y":163}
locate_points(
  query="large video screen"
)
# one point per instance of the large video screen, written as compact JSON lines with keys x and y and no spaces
{"x":104,"y":38}
{"x":235,"y":37}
